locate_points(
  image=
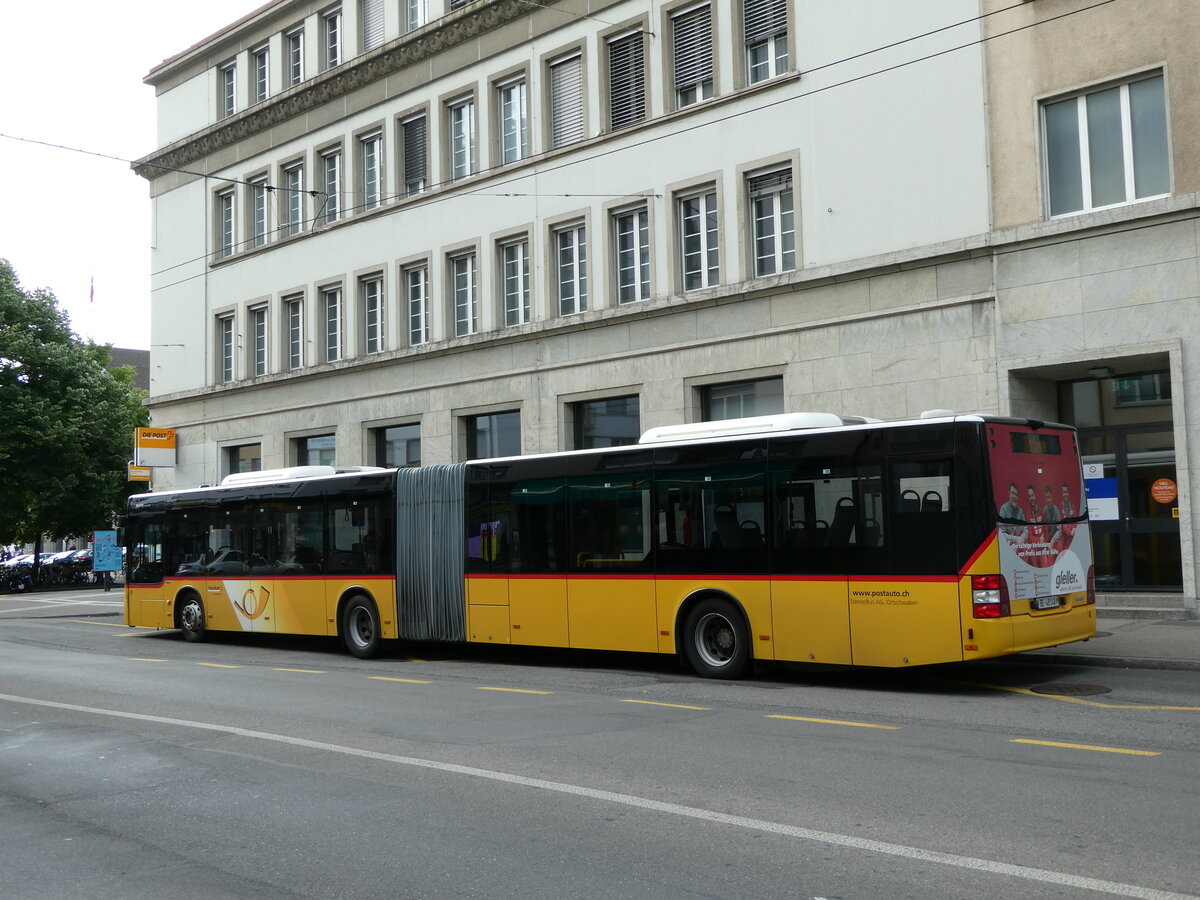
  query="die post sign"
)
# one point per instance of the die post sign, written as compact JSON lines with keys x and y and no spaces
{"x":154,"y":447}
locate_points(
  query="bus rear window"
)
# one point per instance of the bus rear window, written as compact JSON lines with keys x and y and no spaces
{"x":1038,"y":444}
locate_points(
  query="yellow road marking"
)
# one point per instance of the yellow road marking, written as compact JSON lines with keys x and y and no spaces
{"x":405,"y":680}
{"x":671,"y":705}
{"x":305,"y":671}
{"x":105,"y":624}
{"x":218,"y":666}
{"x":144,"y":659}
{"x":1079,"y":700}
{"x":1086,"y":747}
{"x":513,"y":690}
{"x":837,"y":722}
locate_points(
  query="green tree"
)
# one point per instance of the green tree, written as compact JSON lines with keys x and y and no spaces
{"x":66,"y":421}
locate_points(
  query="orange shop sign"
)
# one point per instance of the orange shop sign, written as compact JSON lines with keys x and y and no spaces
{"x":154,"y":447}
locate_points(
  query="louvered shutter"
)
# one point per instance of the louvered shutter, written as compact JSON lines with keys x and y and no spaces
{"x":626,"y":80}
{"x":566,"y":101}
{"x":692,"y":34}
{"x":764,"y":18}
{"x":414,"y":155}
{"x":372,"y":24}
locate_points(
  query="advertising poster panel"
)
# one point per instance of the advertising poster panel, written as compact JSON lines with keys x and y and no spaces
{"x":1041,"y":510}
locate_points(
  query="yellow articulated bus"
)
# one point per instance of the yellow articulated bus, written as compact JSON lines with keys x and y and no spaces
{"x":804,"y":537}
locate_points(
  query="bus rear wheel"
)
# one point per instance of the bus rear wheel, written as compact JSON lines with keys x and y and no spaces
{"x":191,"y":618}
{"x":716,"y":641}
{"x":360,"y":628}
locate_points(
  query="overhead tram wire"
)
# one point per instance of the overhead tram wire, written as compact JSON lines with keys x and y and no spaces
{"x":645,"y":141}
{"x":768,"y":105}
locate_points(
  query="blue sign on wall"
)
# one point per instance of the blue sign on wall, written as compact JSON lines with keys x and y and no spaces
{"x":1101,"y":499}
{"x":106,"y":555}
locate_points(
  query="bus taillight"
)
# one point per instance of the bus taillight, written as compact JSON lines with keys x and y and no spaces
{"x":1091,"y":585}
{"x":989,"y":597}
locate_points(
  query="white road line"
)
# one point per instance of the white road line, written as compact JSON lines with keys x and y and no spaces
{"x":1045,"y":876}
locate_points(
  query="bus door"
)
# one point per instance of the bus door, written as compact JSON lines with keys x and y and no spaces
{"x":610,"y":585}
{"x":517,"y":589}
{"x":296,"y":541}
{"x":240,"y":584}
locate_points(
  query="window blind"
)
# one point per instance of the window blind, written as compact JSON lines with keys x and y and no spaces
{"x":692,"y":36}
{"x":626,"y":80}
{"x":566,"y":101}
{"x":764,"y":18}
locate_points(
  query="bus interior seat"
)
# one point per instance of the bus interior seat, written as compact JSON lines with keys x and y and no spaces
{"x":728,"y":535}
{"x":871,"y":533}
{"x":910,"y":501}
{"x":931,"y":502}
{"x":844,"y":516}
{"x":752,"y":532}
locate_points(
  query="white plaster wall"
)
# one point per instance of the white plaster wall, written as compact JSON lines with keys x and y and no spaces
{"x":186,"y":108}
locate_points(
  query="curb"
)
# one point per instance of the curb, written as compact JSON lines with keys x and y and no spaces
{"x":1113,"y":662}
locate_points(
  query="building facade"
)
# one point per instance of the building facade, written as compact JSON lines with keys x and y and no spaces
{"x":402,"y":231}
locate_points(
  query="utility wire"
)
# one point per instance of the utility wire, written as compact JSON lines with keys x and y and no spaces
{"x":599,"y":154}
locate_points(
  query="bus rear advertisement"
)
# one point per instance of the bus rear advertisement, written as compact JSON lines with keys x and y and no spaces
{"x":800,"y":538}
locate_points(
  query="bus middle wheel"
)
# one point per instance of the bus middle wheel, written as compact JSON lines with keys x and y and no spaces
{"x":716,"y":641}
{"x":360,"y":628}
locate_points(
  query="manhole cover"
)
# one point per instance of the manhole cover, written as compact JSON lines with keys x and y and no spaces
{"x":1070,"y":690}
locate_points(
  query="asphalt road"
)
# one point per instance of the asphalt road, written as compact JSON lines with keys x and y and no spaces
{"x":134,"y":765}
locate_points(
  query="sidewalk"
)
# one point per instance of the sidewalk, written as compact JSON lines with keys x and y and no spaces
{"x":1134,"y":644}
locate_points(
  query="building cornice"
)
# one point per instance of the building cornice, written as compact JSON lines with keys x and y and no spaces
{"x":370,"y":68}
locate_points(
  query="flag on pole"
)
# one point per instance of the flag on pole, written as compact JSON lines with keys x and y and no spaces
{"x":92,"y":291}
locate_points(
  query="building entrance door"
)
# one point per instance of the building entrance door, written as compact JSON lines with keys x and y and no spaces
{"x":1135,"y":538}
{"x":1127,"y":442}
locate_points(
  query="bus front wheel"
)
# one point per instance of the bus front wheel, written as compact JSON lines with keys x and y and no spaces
{"x":360,"y":628}
{"x":191,"y":618}
{"x":715,"y":639}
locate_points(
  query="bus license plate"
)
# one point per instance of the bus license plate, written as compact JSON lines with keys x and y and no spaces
{"x":1045,"y":603}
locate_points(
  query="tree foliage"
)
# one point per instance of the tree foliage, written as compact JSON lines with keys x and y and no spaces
{"x":66,"y":421}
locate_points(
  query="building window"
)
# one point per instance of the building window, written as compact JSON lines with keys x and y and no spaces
{"x":225,"y":348}
{"x":372,"y":306}
{"x":319,"y":450}
{"x":226,"y":237}
{"x":698,"y":240}
{"x":570,"y":265}
{"x":495,"y":434}
{"x":398,"y":447}
{"x":371,"y":161}
{"x":331,"y":38}
{"x":415,"y":14}
{"x":293,"y":308}
{"x":261,"y":63}
{"x":331,"y":182}
{"x":764,"y":26}
{"x":631,"y":239}
{"x":462,"y":138}
{"x":258,"y":338}
{"x":738,"y":399}
{"x":774,"y":228}
{"x":228,"y":80}
{"x":258,"y":212}
{"x":1107,"y":147}
{"x":515,"y":279}
{"x":566,"y":101}
{"x":514,"y":137}
{"x":462,"y":287}
{"x":293,"y":185}
{"x":295,"y":56}
{"x":413,"y":136}
{"x":416,"y":292}
{"x":691,"y":33}
{"x":331,"y":305}
{"x":612,"y":422}
{"x":1142,"y":390}
{"x":371,"y":16}
{"x":626,"y":80}
{"x":246,"y":458}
